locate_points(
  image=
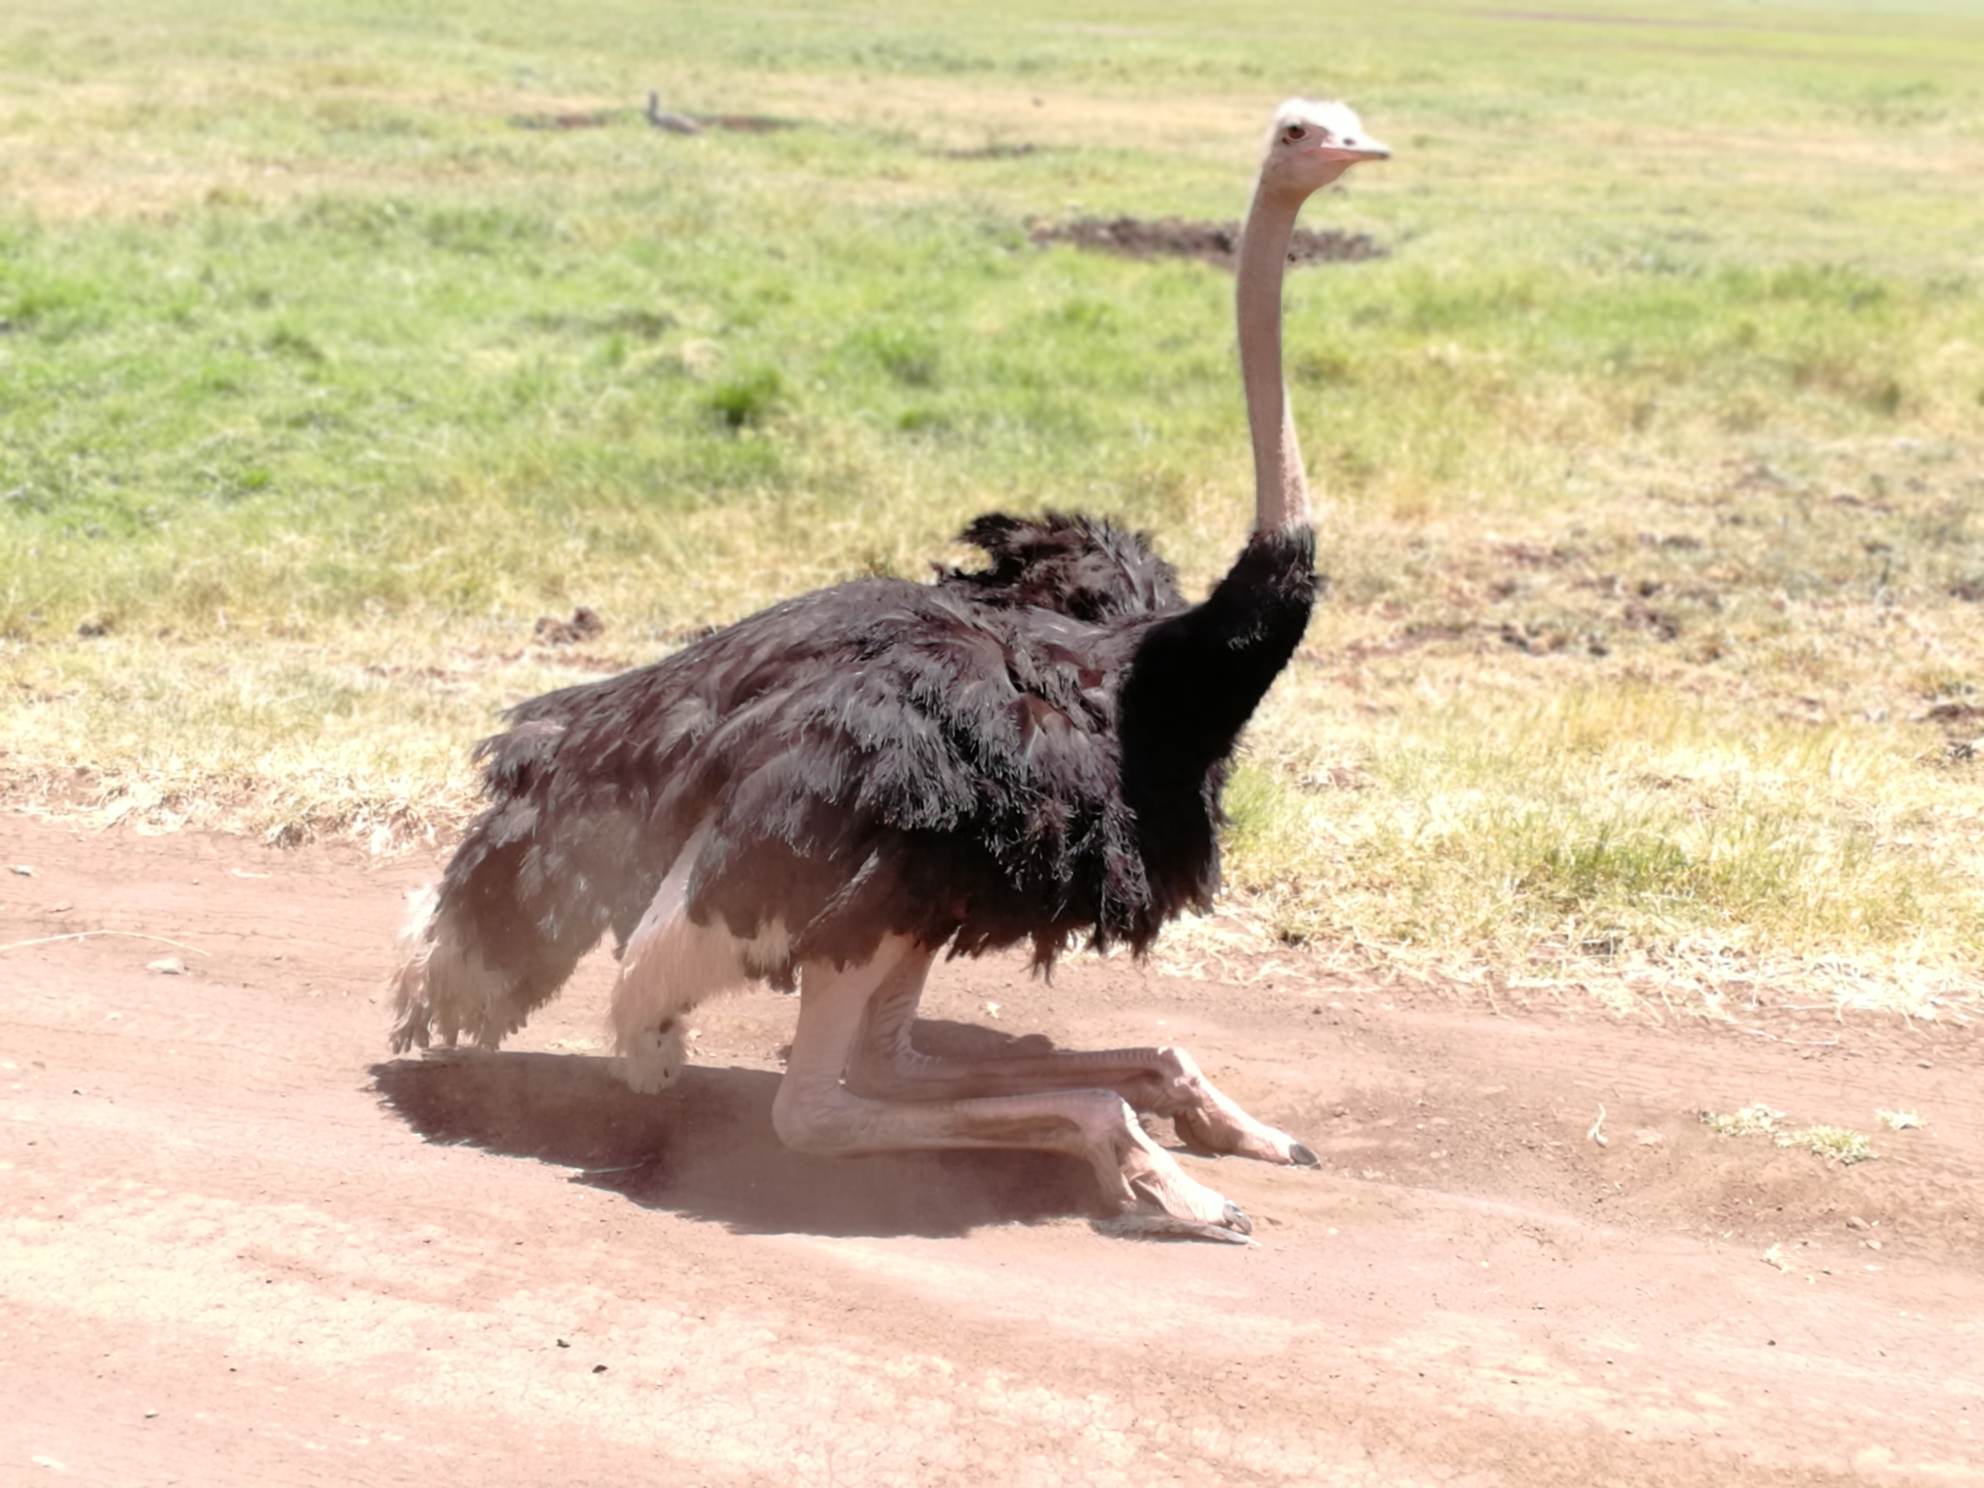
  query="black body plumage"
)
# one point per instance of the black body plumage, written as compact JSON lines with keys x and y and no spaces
{"x":1029,"y":752}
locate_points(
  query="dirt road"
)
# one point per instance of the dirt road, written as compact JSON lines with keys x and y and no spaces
{"x":241,"y":1245}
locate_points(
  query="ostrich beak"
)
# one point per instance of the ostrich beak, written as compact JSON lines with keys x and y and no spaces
{"x":1363,"y":148}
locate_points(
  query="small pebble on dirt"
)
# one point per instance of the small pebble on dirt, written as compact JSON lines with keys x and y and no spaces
{"x":24,"y":870}
{"x":166,"y":966}
{"x":599,"y":1369}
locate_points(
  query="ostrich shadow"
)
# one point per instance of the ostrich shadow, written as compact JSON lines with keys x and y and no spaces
{"x":705,"y":1148}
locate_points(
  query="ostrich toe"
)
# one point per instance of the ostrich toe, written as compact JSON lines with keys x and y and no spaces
{"x":1212,"y":1124}
{"x":1159,"y":1197}
{"x":1215,"y":1127}
{"x":1168,"y":1227}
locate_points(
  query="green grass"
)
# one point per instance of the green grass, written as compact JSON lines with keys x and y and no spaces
{"x":1837,"y":1143}
{"x":1651,"y":451}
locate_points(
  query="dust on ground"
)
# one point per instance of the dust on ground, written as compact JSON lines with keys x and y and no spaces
{"x":244,"y":1245}
{"x":1216,"y":243}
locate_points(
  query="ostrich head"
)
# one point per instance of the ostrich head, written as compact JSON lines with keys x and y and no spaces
{"x":1312,"y":143}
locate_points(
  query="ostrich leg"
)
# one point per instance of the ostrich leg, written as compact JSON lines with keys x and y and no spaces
{"x":1164,"y":1082}
{"x":815,"y":1112}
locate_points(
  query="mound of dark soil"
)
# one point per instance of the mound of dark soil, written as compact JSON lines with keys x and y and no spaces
{"x":592,"y":119}
{"x":993,"y":152}
{"x":1212,"y":242}
{"x":746,"y":123}
{"x":609,"y":118}
{"x":584,"y":625}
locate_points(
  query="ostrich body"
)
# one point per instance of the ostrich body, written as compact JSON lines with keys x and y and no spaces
{"x":835,"y":791}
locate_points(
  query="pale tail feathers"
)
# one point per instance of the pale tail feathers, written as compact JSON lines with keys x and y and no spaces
{"x":442,"y":988}
{"x":445,"y":990}
{"x":411,"y":1013}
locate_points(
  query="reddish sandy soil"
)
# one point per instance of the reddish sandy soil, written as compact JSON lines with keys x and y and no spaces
{"x":242,"y":1245}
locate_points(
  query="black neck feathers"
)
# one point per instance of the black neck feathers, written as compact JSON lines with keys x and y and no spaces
{"x":1192,"y":684}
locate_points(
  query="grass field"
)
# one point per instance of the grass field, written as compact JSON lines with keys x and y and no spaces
{"x":1653,"y":449}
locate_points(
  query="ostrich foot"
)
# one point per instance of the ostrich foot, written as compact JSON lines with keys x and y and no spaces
{"x":1157,"y":1197}
{"x":1211,"y":1124}
{"x":1253,"y":1139}
{"x":652,"y":1059}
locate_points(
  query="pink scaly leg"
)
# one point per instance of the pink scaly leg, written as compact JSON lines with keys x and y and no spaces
{"x":1165,"y":1082}
{"x":815,"y":1112}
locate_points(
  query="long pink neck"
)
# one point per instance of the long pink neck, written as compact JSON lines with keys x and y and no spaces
{"x":1281,"y":490}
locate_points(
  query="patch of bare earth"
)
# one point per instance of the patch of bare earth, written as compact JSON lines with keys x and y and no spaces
{"x":245,"y":1246}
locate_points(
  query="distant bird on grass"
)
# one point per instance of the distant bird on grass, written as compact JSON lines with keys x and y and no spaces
{"x":840,"y":789}
{"x":674,"y":123}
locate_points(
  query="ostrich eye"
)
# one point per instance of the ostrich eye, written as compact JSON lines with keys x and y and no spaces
{"x":1294,"y":132}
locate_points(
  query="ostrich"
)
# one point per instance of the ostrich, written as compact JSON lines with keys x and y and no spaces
{"x":835,"y":791}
